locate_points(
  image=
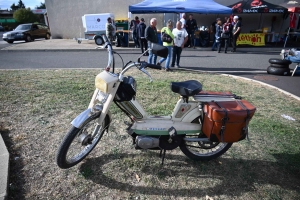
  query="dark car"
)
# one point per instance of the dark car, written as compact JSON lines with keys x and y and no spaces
{"x":27,"y":32}
{"x":1,"y":28}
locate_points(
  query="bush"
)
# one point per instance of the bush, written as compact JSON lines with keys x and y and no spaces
{"x":24,"y":15}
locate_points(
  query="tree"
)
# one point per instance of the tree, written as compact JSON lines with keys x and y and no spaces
{"x":42,"y":6}
{"x":24,"y":15}
{"x":21,"y":4}
{"x":13,"y":7}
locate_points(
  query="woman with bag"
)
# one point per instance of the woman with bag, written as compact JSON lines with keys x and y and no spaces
{"x":225,"y":35}
{"x":167,"y":38}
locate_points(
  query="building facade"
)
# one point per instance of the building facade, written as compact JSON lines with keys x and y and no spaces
{"x":65,"y":17}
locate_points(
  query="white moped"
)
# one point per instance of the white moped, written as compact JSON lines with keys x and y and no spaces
{"x":180,"y":129}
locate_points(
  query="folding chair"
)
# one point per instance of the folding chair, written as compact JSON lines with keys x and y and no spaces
{"x":296,"y":68}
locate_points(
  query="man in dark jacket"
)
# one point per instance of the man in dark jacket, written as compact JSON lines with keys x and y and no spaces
{"x":141,"y":35}
{"x":133,"y":27}
{"x":191,"y":26}
{"x":151,"y":37}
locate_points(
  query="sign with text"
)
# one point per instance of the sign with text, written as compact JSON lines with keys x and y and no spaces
{"x":254,"y":39}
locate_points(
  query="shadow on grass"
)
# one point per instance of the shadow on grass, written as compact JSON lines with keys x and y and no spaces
{"x":16,"y":164}
{"x":235,"y":176}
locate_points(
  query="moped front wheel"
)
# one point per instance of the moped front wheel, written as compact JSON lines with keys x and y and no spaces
{"x":204,"y":150}
{"x":79,"y":142}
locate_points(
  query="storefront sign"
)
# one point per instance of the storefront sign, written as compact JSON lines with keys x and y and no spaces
{"x":254,"y":39}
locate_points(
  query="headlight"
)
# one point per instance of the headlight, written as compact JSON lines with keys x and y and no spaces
{"x":101,"y":84}
{"x":106,"y":82}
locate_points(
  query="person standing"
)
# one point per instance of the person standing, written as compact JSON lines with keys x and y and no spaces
{"x":219,"y":29}
{"x":235,"y":32}
{"x":169,"y":45}
{"x":183,"y":21}
{"x":141,"y":35}
{"x":151,"y":37}
{"x":191,"y":26}
{"x":180,"y":38}
{"x":133,"y":27}
{"x":109,"y":29}
{"x":213,"y":27}
{"x":227,"y":29}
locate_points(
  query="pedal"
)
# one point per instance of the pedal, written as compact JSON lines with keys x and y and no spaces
{"x":127,"y":123}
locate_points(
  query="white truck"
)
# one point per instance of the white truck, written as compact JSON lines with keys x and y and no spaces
{"x":95,"y":26}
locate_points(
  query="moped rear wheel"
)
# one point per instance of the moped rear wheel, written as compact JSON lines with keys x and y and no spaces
{"x":203,"y":150}
{"x":78,"y":143}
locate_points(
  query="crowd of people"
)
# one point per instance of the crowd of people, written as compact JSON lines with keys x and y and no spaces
{"x":226,"y":32}
{"x":180,"y":36}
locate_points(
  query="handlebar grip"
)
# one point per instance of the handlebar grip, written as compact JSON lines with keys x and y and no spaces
{"x":153,"y":66}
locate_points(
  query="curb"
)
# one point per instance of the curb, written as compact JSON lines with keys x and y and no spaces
{"x":248,"y":79}
{"x":265,"y":84}
{"x":4,"y":169}
{"x":275,"y":50}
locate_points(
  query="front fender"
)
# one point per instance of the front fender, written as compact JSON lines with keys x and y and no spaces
{"x":78,"y":122}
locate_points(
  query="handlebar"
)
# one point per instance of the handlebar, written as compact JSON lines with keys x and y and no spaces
{"x":141,"y":65}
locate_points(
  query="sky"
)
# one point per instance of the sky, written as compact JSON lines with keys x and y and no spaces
{"x":5,"y":4}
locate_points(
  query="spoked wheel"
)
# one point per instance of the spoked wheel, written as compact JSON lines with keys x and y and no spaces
{"x":203,"y":150}
{"x":78,"y":143}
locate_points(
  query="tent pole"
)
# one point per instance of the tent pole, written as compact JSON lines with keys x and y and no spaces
{"x":288,"y":33}
{"x":287,"y":37}
{"x":280,"y":30}
{"x":259,"y":24}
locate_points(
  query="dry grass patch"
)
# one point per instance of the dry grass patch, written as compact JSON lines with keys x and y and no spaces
{"x":37,"y":107}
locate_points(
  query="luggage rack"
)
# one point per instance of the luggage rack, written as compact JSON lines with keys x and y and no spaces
{"x":204,"y":96}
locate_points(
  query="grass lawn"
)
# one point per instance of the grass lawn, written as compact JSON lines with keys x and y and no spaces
{"x":37,"y":107}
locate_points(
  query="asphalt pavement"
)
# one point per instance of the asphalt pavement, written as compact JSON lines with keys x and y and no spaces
{"x":286,"y":84}
{"x":242,"y":64}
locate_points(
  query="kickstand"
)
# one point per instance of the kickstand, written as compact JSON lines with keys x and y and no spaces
{"x":163,"y":156}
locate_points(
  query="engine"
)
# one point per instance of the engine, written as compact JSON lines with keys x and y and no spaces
{"x":146,"y":142}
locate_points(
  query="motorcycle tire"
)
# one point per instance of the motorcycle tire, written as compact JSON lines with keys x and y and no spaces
{"x":279,"y":71}
{"x":279,"y":66}
{"x":279,"y":61}
{"x":204,"y":151}
{"x":82,"y":138}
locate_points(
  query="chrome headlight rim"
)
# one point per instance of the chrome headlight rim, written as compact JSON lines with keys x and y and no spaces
{"x":101,"y":97}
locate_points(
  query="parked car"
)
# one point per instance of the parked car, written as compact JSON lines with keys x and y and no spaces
{"x":27,"y":32}
{"x":1,"y":28}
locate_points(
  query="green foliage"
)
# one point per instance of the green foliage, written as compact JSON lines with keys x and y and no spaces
{"x":25,"y":16}
{"x":15,"y":7}
{"x":41,"y":6}
{"x":21,"y":4}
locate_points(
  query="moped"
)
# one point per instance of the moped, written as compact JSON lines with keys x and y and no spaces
{"x":182,"y":128}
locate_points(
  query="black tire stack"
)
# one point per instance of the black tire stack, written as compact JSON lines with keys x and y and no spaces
{"x":279,"y":67}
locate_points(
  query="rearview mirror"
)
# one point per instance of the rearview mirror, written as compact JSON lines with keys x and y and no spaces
{"x":159,"y":50}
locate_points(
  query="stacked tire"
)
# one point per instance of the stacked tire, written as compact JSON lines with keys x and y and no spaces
{"x":279,"y":67}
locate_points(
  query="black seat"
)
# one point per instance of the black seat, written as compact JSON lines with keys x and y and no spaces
{"x":186,"y":88}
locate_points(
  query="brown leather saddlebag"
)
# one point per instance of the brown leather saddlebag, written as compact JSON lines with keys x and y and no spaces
{"x":227,"y":121}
